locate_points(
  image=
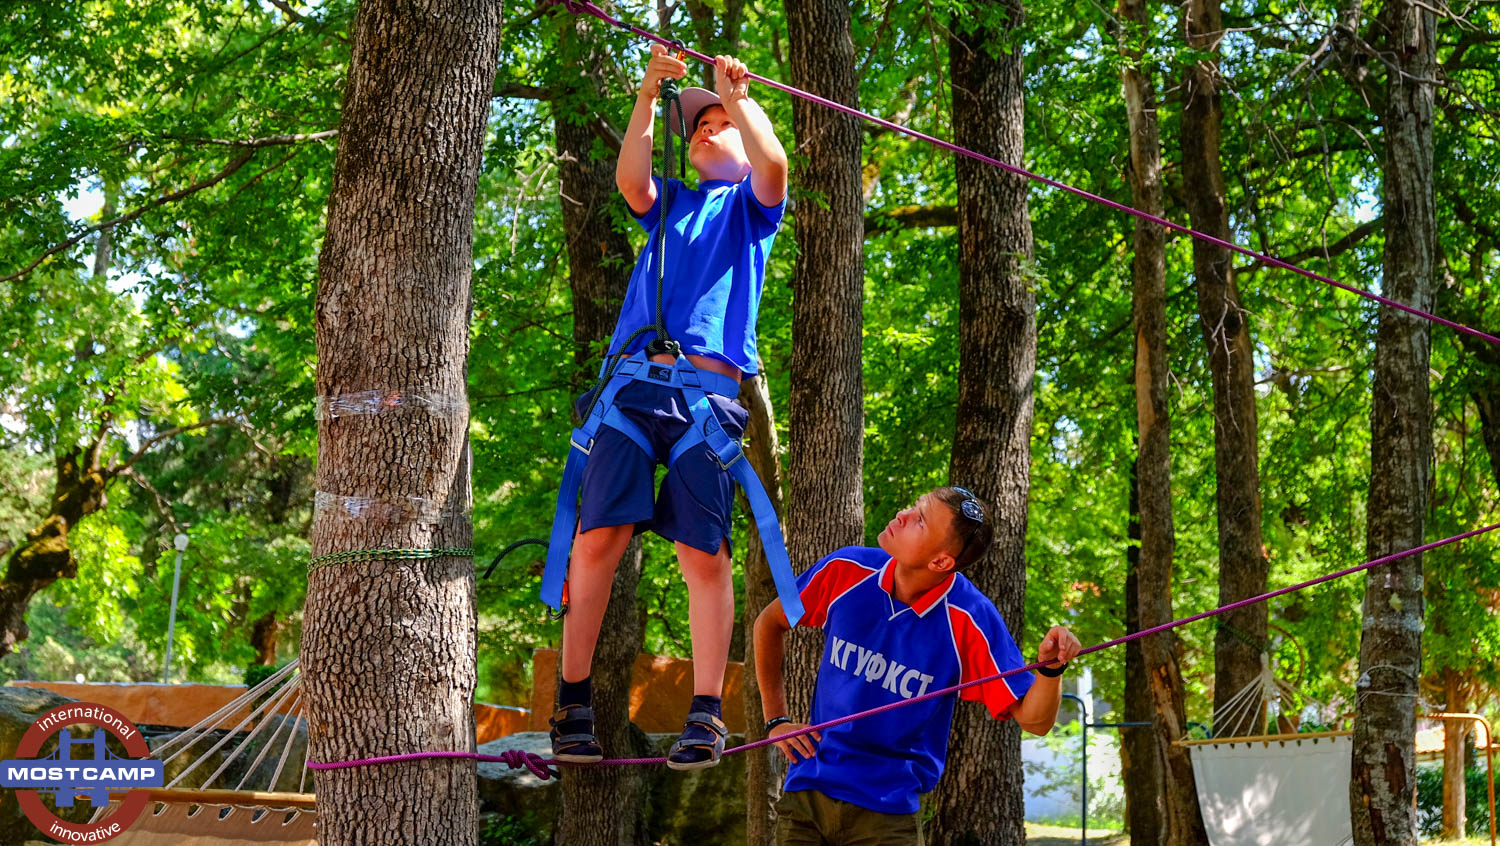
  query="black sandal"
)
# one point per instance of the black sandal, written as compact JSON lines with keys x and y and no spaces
{"x":687,"y":752}
{"x":578,"y":745}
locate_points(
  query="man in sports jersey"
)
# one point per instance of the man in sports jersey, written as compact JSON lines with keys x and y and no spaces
{"x":718,"y":237}
{"x":900,"y":620}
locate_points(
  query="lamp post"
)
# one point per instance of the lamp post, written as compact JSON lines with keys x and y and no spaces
{"x":181,"y":543}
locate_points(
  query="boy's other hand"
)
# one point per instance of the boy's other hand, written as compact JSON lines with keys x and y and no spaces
{"x":1058,"y":647}
{"x":731,"y":79}
{"x":663,"y":65}
{"x":799,"y":748}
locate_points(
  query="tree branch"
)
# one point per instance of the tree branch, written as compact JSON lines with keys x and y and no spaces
{"x":910,"y":217}
{"x":170,"y":433}
{"x":229,"y":169}
{"x":520,"y":91}
{"x":1343,"y":245}
{"x":268,"y":141}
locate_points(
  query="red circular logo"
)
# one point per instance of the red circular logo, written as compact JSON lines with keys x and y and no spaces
{"x":50,"y":724}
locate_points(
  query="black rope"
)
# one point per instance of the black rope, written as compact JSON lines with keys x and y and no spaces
{"x":512,"y":548}
{"x":670,"y":95}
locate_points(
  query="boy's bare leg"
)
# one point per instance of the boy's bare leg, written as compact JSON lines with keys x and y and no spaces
{"x":591,"y":573}
{"x":710,"y":584}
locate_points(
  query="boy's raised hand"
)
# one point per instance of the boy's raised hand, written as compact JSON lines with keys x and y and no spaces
{"x":663,"y":65}
{"x":731,"y":79}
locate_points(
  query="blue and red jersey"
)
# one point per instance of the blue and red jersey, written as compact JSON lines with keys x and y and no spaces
{"x":879,"y":650}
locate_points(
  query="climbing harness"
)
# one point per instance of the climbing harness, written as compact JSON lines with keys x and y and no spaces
{"x":695,"y":386}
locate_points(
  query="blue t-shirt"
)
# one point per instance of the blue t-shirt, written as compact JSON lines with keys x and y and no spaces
{"x":718,"y":239}
{"x":879,"y":650}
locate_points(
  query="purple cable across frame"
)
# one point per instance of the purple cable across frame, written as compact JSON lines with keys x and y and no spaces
{"x":541,"y":767}
{"x":588,"y":8}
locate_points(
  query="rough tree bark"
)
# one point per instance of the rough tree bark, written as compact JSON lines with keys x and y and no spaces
{"x":980,"y":798}
{"x":762,"y":767}
{"x":1240,"y":636}
{"x":826,"y":467}
{"x":1390,"y":650}
{"x":1158,"y":809}
{"x":602,"y":806}
{"x":388,"y":649}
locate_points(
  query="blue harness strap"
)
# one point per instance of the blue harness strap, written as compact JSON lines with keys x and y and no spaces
{"x":706,"y":431}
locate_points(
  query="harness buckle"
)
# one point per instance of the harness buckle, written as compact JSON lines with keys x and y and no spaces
{"x":583,"y":448}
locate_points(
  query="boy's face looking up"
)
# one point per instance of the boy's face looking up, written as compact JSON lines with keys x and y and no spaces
{"x":922,"y":536}
{"x":716,"y":149}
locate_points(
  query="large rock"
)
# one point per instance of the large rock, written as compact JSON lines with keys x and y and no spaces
{"x":19,"y":708}
{"x":706,"y":806}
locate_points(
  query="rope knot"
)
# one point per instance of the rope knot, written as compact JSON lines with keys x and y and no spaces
{"x":518,"y":758}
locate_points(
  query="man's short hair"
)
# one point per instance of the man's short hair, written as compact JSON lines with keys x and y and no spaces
{"x":973,"y":525}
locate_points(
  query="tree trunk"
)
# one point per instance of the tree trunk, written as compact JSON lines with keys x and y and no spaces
{"x":826,"y":468}
{"x":1152,"y":804}
{"x":78,"y":490}
{"x":980,"y":798}
{"x":1390,"y":650}
{"x":263,"y":639}
{"x":388,"y":651}
{"x":762,"y":767}
{"x":601,"y":806}
{"x":1454,"y":702}
{"x":1240,"y":636}
{"x":1142,"y":754}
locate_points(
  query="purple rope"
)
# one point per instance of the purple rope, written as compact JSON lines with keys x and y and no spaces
{"x":539,"y":766}
{"x":588,"y":8}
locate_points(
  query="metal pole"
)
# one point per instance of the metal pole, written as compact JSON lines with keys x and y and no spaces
{"x":1083,"y":727}
{"x":181,"y":542}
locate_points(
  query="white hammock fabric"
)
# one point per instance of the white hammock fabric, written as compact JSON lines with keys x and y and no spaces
{"x":1290,"y":792}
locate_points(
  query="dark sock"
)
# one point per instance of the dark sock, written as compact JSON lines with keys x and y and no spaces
{"x":575,"y":693}
{"x":712,"y":704}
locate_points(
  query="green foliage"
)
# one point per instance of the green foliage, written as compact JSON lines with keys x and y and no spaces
{"x":1430,"y":801}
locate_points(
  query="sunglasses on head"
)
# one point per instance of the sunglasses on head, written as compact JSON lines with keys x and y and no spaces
{"x":974,"y":512}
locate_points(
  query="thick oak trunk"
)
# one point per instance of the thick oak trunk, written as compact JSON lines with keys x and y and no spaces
{"x":980,"y":798}
{"x":1159,"y":809}
{"x":1241,"y":635}
{"x":1390,"y":650}
{"x":826,"y":468}
{"x":388,"y":649}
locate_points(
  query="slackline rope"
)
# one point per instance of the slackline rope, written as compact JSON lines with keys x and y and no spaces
{"x":540,"y":767}
{"x":586,"y":7}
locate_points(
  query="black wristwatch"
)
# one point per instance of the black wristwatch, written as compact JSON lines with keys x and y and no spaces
{"x":776,"y":721}
{"x":1052,"y":672}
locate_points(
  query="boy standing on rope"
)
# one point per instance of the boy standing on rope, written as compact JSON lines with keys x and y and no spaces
{"x":900,"y":620}
{"x":718,"y":237}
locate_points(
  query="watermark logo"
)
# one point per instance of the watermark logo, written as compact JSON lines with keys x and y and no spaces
{"x":81,"y":768}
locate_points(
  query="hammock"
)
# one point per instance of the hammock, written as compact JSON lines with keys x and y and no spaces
{"x":195,"y":808}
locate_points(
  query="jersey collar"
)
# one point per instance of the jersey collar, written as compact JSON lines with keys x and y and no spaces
{"x":926,"y":601}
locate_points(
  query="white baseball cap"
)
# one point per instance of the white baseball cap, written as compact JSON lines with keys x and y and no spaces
{"x":694,"y":101}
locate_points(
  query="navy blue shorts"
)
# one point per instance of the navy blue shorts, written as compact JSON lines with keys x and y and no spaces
{"x":697,"y":495}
